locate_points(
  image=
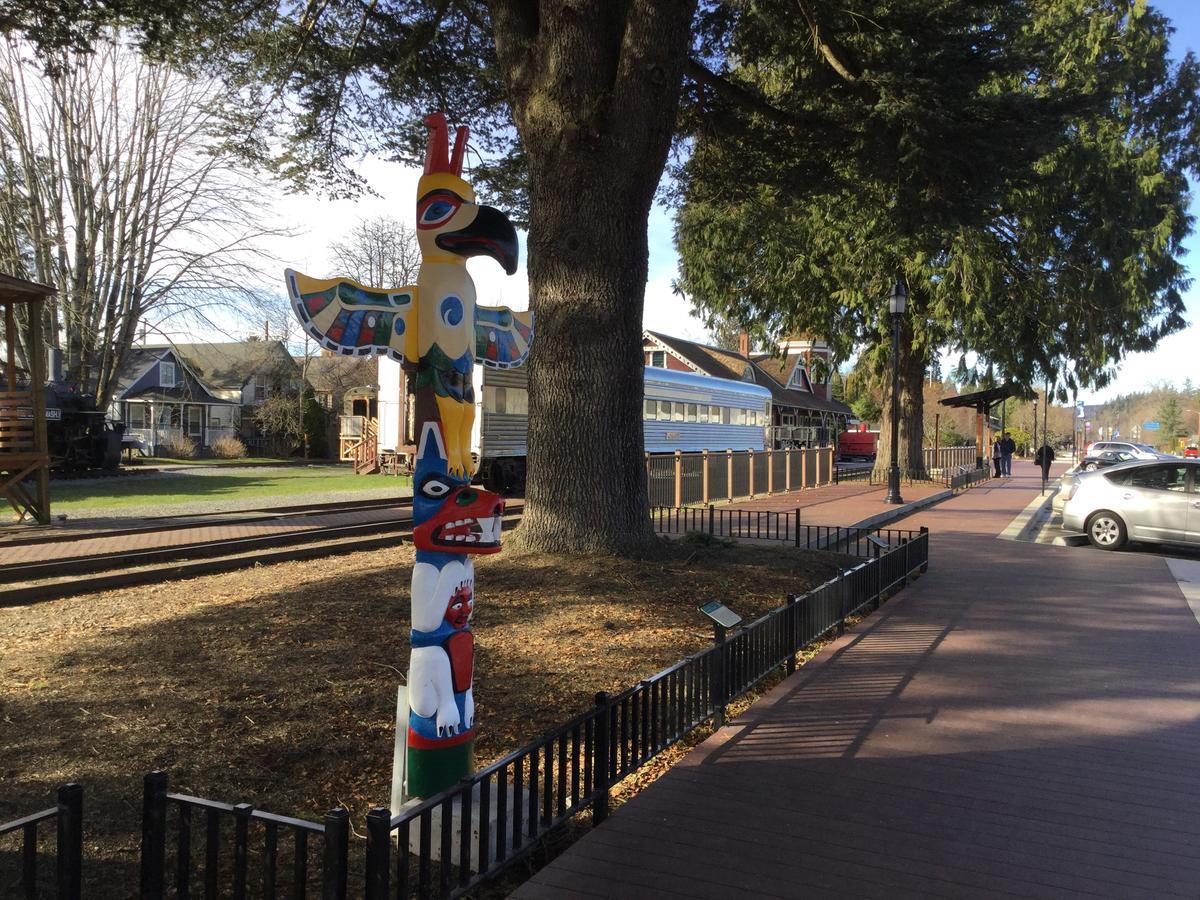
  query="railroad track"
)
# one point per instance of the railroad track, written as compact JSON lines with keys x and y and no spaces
{"x":67,"y":575}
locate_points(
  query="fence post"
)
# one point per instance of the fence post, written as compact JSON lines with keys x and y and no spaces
{"x":711,"y":515}
{"x":719,"y":683}
{"x":791,"y":631}
{"x":70,"y":841}
{"x":904,"y":543}
{"x":704,"y":478}
{"x":729,"y":475}
{"x":335,"y":855}
{"x":925,"y":562}
{"x":797,"y":526}
{"x":154,"y":834}
{"x":787,"y":469}
{"x":379,"y":845}
{"x":678,"y":479}
{"x":803,"y":468}
{"x":770,"y":470}
{"x":241,"y":861}
{"x":750,"y":463}
{"x":841,"y":590}
{"x":600,"y":767}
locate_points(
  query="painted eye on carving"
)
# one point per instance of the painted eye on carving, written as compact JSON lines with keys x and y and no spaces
{"x":436,"y":209}
{"x":434,"y":488}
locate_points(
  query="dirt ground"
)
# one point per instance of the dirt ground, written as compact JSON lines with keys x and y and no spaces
{"x":276,"y":686}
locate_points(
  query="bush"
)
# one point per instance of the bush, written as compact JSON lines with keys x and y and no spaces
{"x":228,"y":446}
{"x":178,"y":446}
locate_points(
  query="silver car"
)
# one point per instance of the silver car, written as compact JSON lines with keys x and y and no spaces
{"x":1157,"y":502}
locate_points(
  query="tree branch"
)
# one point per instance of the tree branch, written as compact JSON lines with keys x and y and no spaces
{"x":839,"y":58}
{"x":743,"y":97}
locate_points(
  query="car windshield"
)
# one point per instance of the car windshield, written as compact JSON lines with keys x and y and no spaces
{"x":1145,"y":447}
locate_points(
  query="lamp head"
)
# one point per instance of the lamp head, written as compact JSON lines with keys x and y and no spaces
{"x":899,"y":299}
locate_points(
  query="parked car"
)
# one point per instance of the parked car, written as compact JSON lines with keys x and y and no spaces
{"x":1191,"y":452}
{"x":1139,"y":451}
{"x":1157,"y":502}
{"x":1103,"y":459}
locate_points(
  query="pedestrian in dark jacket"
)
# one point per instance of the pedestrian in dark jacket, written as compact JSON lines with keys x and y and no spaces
{"x":1044,"y":457}
{"x":1007,"y":448}
{"x":997,"y":452}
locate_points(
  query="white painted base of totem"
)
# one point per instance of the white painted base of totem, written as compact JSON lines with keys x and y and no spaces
{"x":414,"y":839}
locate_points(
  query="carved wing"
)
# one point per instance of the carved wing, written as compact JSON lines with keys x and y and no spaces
{"x":349,"y":318}
{"x":502,"y":337}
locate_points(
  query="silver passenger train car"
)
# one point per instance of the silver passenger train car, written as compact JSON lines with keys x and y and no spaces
{"x":680,"y":411}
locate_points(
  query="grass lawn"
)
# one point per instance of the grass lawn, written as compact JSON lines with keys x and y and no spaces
{"x":207,"y":461}
{"x":171,"y":490}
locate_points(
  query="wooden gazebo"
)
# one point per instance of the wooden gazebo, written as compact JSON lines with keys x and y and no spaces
{"x":23,"y":454}
{"x":982,"y":402}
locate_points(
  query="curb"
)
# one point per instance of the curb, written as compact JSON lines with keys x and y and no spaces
{"x":883,"y":518}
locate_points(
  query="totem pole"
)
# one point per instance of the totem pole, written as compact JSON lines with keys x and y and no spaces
{"x":435,"y":329}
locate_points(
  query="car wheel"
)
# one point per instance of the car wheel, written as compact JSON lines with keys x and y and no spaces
{"x":1090,"y":467}
{"x":1106,"y":530}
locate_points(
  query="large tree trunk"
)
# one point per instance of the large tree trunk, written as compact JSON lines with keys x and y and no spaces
{"x":596,"y":127}
{"x":913,"y":364}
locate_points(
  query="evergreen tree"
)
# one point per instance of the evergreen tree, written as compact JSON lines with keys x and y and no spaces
{"x":1021,"y":167}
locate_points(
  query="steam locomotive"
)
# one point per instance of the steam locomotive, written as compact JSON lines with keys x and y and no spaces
{"x":79,"y":436}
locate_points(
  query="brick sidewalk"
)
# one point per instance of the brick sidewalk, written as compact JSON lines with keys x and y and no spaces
{"x":1021,"y":721}
{"x":837,"y":504}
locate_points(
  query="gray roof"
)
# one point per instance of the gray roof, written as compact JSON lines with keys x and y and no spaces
{"x":729,"y":364}
{"x":221,"y":370}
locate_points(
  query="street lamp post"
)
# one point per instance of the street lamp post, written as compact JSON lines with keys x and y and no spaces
{"x":896,"y":305}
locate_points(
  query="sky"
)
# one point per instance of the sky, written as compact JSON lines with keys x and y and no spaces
{"x":319,"y":222}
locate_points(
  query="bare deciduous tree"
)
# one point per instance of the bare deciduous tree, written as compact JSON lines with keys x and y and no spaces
{"x":379,"y":252}
{"x":114,"y":190}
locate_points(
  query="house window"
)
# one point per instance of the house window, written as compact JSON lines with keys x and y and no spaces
{"x":166,"y":374}
{"x":260,"y":387}
{"x":658,"y":359}
{"x":748,"y":374}
{"x":797,"y":380}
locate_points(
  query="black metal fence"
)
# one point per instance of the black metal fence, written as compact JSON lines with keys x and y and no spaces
{"x":954,"y":477}
{"x":67,"y":816}
{"x":964,"y":478}
{"x":242,"y":850}
{"x":447,"y":844}
{"x":769,"y":525}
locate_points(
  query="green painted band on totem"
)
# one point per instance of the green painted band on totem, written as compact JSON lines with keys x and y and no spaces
{"x":432,"y":771}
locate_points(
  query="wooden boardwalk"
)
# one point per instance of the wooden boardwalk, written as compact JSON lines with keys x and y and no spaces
{"x":1023,"y":721}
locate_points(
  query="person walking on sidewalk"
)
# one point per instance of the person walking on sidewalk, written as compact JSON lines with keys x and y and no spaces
{"x":1044,"y":457}
{"x":997,"y":451}
{"x":1007,"y":448}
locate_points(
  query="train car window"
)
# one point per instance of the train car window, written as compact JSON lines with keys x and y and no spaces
{"x":677,"y":411}
{"x":517,"y":402}
{"x":649,"y":409}
{"x":703,"y":416}
{"x":726,"y":415}
{"x":691,"y":412}
{"x":714,"y":414}
{"x":664,"y":410}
